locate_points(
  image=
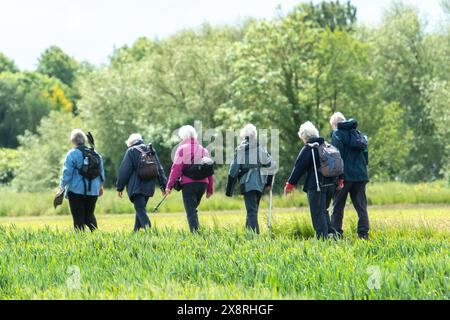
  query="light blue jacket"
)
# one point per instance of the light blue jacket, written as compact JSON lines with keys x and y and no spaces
{"x":71,"y":179}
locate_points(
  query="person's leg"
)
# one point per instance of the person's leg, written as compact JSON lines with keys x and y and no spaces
{"x":359,"y":200}
{"x":190,"y":200}
{"x":317,"y":202}
{"x":76,"y":205}
{"x":89,"y":217}
{"x":251,"y":199}
{"x":142,"y":219}
{"x":200,"y":192}
{"x":328,"y":197}
{"x":340,"y":198}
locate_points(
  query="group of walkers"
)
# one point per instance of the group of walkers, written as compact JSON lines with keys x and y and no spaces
{"x":332,"y":172}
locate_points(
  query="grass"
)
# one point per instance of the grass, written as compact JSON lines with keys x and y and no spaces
{"x":40,"y":204}
{"x":409,"y":251}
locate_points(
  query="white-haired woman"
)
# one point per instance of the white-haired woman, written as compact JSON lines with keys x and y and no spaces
{"x":139,"y":189}
{"x":190,"y":152}
{"x":319,"y":201}
{"x":82,"y":178}
{"x":252,"y":166}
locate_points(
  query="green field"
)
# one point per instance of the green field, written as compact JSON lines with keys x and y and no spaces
{"x":406,"y":258}
{"x":13,"y":204}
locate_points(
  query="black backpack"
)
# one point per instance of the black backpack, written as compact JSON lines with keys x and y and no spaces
{"x":91,"y":167}
{"x":200,"y":171}
{"x":148,"y":165}
{"x":358,"y":141}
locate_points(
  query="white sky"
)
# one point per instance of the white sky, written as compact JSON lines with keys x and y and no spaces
{"x":90,"y":29}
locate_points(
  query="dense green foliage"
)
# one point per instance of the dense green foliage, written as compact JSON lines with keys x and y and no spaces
{"x":303,"y":65}
{"x":8,"y":163}
{"x":404,"y":260}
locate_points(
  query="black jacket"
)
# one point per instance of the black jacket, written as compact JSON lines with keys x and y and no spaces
{"x":355,"y":161}
{"x":128,"y":176}
{"x":304,"y":164}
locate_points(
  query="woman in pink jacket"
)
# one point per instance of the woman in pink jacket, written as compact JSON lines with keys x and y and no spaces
{"x":189,"y":152}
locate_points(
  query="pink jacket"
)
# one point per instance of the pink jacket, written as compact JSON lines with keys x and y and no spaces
{"x":183,"y":158}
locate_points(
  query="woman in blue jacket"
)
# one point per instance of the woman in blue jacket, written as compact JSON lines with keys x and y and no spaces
{"x":81,"y":192}
{"x":319,"y":201}
{"x":139,"y":191}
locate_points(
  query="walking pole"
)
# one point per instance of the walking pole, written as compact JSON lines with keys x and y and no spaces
{"x":269,"y":218}
{"x":312,"y":145}
{"x":159,"y":204}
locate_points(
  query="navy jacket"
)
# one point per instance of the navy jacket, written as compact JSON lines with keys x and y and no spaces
{"x":304,"y":164}
{"x":355,"y":161}
{"x":128,"y":176}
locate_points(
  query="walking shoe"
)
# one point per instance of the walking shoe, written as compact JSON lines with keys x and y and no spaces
{"x":363,"y":236}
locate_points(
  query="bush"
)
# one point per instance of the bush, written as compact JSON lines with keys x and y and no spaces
{"x":8,"y":163}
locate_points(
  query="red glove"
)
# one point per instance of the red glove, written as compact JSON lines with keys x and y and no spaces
{"x":288,"y":188}
{"x":340,"y":184}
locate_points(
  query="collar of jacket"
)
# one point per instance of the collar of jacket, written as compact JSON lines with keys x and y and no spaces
{"x":189,"y":141}
{"x":137,"y":143}
{"x":248,"y":144}
{"x":320,"y":140}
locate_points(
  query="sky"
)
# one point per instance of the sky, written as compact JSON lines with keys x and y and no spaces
{"x":90,"y":29}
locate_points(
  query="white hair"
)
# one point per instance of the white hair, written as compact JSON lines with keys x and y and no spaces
{"x":187,"y":133}
{"x":133,"y":138}
{"x":248,"y":131}
{"x":336,"y":118}
{"x":78,"y":137}
{"x":308,"y":131}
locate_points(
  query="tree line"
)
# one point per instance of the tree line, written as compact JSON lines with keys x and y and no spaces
{"x":302,"y":65}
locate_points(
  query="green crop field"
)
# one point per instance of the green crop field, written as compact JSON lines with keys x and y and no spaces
{"x":407,"y":257}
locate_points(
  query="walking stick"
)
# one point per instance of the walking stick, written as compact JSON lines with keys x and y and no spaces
{"x":269,"y":218}
{"x":155,"y":209}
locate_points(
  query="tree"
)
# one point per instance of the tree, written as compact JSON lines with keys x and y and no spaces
{"x":330,"y":15}
{"x":25,"y":98}
{"x":8,"y":163}
{"x":403,"y":65}
{"x":182,"y":79}
{"x":41,"y":154}
{"x":55,"y":63}
{"x":7,"y":64}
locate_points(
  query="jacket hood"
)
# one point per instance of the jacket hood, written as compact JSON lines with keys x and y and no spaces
{"x":348,"y":125}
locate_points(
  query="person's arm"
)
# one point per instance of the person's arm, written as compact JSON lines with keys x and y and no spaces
{"x":176,"y":170}
{"x":69,"y":167}
{"x":210,"y":188}
{"x":102,"y":170}
{"x":337,"y":142}
{"x":232,"y":176}
{"x":125,"y":171}
{"x":162,"y":179}
{"x":302,"y":164}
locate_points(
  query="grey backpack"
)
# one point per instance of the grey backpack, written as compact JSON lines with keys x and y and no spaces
{"x":331,"y":163}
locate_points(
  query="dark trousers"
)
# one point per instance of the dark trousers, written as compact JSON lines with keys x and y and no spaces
{"x":192,"y":195}
{"x":252,"y":199}
{"x":319,"y":201}
{"x":82,"y":208}
{"x":142,"y":220}
{"x":357,"y":192}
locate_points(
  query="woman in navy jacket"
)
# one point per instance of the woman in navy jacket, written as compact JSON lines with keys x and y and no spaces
{"x":319,"y":201}
{"x":139,"y":191}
